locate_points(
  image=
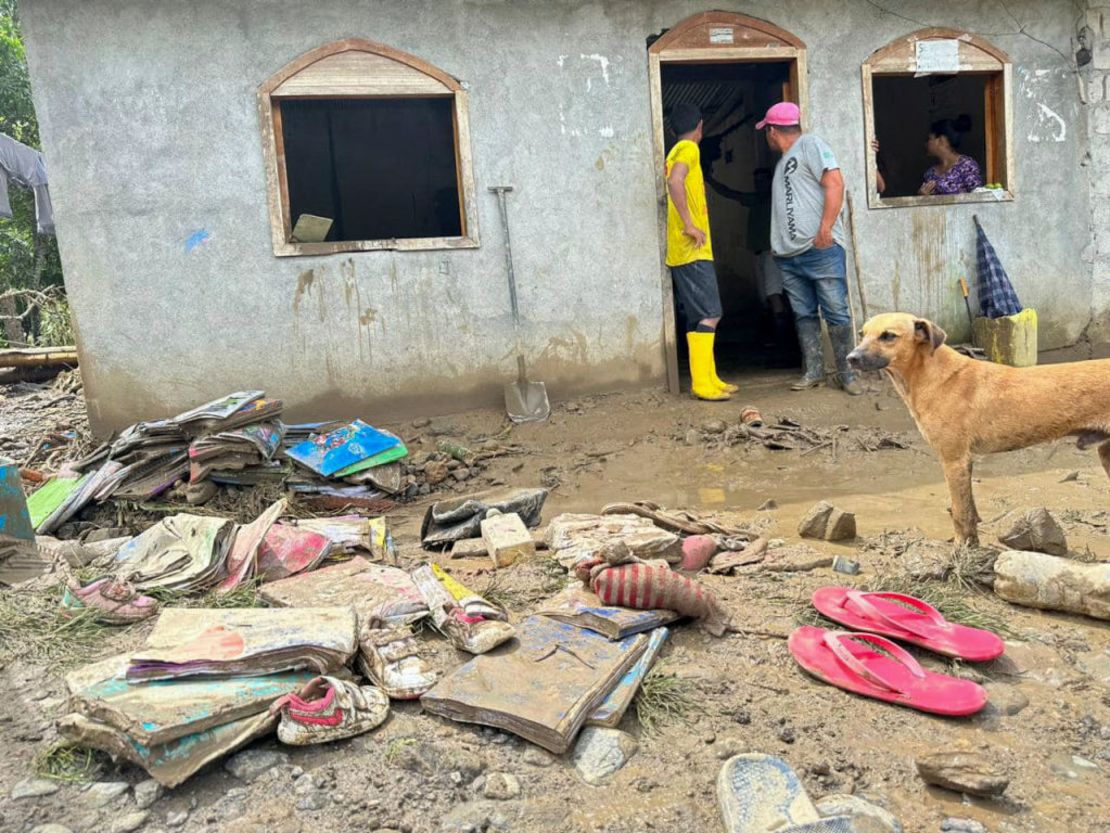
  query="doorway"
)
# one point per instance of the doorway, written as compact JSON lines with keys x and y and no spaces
{"x":733,"y":67}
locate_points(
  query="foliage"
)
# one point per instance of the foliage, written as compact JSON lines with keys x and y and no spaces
{"x":663,"y":699}
{"x":25,"y":262}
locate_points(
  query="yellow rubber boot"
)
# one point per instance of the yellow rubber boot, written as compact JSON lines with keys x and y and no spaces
{"x":717,"y":380}
{"x":702,"y":385}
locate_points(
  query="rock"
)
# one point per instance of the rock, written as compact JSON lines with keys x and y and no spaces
{"x":33,"y":788}
{"x":177,"y":818}
{"x":954,"y":825}
{"x":474,"y":817}
{"x":866,"y":817}
{"x":730,"y":748}
{"x":435,"y":472}
{"x":129,"y":822}
{"x":103,"y":793}
{"x":816,"y":519}
{"x":422,"y":422}
{"x":965,"y":772}
{"x":501,"y":786}
{"x":786,"y":734}
{"x":1036,"y":531}
{"x":538,"y":757}
{"x":1005,"y":700}
{"x":251,"y":763}
{"x":693,"y":436}
{"x":841,"y":526}
{"x":146,"y":793}
{"x":713,"y":426}
{"x":768,"y":505}
{"x":51,"y":828}
{"x":315,"y":800}
{"x":1070,"y":477}
{"x":1034,"y":579}
{"x":202,"y":492}
{"x":461,"y":473}
{"x":601,"y":752}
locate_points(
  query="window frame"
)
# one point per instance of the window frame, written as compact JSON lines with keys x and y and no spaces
{"x":980,"y":58}
{"x":402,"y":76}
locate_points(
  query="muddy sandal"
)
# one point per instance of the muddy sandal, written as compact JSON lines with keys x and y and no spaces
{"x":760,"y":793}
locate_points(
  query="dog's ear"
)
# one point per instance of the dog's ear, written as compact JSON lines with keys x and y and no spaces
{"x":926,"y":332}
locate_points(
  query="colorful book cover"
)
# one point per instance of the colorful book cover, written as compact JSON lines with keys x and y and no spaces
{"x":341,"y":448}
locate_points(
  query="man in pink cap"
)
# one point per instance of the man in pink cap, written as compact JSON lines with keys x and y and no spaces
{"x":807,"y":239}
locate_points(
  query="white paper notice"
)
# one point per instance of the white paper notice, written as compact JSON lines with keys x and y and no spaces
{"x":942,"y":56}
{"x":722,"y":35}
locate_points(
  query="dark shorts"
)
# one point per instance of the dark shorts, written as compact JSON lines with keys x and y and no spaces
{"x":695,"y":284}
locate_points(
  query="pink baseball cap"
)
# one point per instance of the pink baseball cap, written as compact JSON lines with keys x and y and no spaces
{"x":783,"y":113}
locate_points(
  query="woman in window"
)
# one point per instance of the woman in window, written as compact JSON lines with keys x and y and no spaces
{"x":955,"y":173}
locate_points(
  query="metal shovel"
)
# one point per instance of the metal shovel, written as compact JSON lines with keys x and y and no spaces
{"x":524,"y":401}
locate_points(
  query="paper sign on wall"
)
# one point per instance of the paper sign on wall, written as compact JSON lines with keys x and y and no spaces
{"x":940,"y":56}
{"x":722,"y":35}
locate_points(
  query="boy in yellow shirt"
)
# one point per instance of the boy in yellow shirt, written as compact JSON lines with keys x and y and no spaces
{"x":690,"y":253}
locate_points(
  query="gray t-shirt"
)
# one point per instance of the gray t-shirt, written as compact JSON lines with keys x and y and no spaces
{"x":797,"y":198}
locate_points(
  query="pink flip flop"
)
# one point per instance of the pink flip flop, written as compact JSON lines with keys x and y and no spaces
{"x":838,"y":658}
{"x":923,"y":626}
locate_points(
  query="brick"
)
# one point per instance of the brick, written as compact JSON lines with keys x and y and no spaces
{"x":507,"y":539}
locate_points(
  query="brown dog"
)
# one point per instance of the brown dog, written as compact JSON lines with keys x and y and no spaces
{"x":964,"y":407}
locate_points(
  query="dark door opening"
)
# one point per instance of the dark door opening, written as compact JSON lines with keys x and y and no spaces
{"x":735,"y":161}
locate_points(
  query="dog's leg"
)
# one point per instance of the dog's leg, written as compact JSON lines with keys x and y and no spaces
{"x":1104,"y":455}
{"x":957,"y":474}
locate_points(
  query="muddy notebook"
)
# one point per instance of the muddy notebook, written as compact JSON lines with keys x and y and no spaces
{"x":578,"y":606}
{"x":188,"y":642}
{"x":541,"y":686}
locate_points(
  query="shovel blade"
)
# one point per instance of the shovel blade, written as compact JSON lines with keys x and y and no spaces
{"x":527,"y":401}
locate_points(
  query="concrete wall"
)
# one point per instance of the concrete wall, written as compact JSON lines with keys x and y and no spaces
{"x":1095,"y":81}
{"x":151,"y":135}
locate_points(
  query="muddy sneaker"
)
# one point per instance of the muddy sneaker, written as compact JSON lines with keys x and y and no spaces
{"x":391,"y":658}
{"x":329,"y":709}
{"x":113,"y":601}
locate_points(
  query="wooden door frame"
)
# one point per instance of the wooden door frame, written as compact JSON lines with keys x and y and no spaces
{"x":701,"y":39}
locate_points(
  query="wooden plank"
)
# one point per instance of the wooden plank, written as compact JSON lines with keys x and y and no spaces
{"x":801,"y":73}
{"x":464,"y":160}
{"x":38,"y":357}
{"x":991,"y":128}
{"x":273,"y":172}
{"x":670,"y":345}
{"x":282,"y":173}
{"x":1006,"y":160}
{"x":411,"y":244}
{"x":943,"y":199}
{"x":354,"y":73}
{"x":728,"y":55}
{"x":976,"y":54}
{"x":870,"y":170}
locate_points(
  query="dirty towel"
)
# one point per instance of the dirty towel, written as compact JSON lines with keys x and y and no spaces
{"x":541,"y":686}
{"x":447,"y":521}
{"x":192,"y":642}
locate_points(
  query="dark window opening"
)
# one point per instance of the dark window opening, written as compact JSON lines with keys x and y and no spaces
{"x":905,"y":107}
{"x":380,"y":169}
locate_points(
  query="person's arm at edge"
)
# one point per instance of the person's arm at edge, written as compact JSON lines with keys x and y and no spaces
{"x":676,"y":187}
{"x":832,"y":181}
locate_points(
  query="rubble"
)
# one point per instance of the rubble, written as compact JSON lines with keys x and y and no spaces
{"x":826,"y":522}
{"x":1053,"y":583}
{"x":1036,"y":531}
{"x":600,"y":752}
{"x":966,"y":772}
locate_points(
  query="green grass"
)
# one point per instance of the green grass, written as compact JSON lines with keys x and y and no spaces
{"x":396,"y":747}
{"x":64,"y":761}
{"x":246,"y":595}
{"x":32,"y":628}
{"x":663,"y":700}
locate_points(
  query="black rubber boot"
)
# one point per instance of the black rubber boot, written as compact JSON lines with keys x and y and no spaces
{"x":843,"y":340}
{"x":813,"y":359}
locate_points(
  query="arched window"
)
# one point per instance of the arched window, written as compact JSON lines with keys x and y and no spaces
{"x":922,"y":78}
{"x":366,"y":148}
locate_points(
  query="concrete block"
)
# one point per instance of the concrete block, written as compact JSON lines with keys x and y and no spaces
{"x":507,"y":539}
{"x":1010,"y":340}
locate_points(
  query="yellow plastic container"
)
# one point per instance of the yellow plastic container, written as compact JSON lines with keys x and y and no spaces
{"x":1010,"y":340}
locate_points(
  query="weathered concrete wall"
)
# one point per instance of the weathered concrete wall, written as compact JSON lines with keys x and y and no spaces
{"x":1095,"y":78}
{"x":151,"y":134}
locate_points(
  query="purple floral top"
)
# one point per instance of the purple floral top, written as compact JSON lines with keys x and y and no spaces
{"x":962,"y":178}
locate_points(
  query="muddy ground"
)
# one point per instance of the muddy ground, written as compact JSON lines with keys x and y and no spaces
{"x":1048,"y":726}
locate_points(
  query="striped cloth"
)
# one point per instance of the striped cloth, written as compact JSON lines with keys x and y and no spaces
{"x":996,"y":294}
{"x":644,"y":587}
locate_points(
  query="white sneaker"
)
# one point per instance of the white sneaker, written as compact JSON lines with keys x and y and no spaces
{"x":391,"y":658}
{"x":329,"y":709}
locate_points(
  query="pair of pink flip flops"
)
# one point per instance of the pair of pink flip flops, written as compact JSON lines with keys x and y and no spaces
{"x":849,"y":659}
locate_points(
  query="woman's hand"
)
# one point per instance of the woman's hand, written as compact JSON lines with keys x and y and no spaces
{"x":927,"y":189}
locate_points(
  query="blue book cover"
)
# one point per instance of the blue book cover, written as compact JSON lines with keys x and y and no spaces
{"x":342,"y":447}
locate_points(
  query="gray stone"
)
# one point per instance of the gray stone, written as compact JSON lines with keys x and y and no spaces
{"x":475,"y":817}
{"x":103,"y":793}
{"x":313,"y":801}
{"x":729,"y":748}
{"x":966,"y":772}
{"x":815,"y":520}
{"x":954,"y":825}
{"x":866,"y":817}
{"x":469,"y":764}
{"x":693,"y":436}
{"x":841,"y":526}
{"x":501,"y":786}
{"x":177,"y":818}
{"x":422,"y":422}
{"x":51,"y":828}
{"x":601,"y":752}
{"x":538,"y":757}
{"x":1046,"y":581}
{"x":768,"y":505}
{"x":1036,"y":531}
{"x":34,"y":788}
{"x":251,"y":763}
{"x":713,"y":426}
{"x":129,"y":822}
{"x":1005,"y":700}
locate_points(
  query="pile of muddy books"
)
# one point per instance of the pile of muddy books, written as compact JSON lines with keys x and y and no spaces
{"x":202,"y":685}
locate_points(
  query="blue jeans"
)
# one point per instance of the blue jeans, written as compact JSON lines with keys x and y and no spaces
{"x":817,"y":278}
